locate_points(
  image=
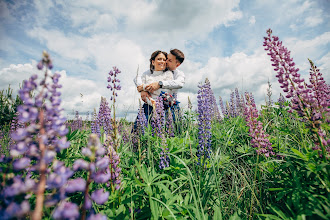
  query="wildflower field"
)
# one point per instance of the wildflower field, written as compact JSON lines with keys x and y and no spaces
{"x":217,"y":160}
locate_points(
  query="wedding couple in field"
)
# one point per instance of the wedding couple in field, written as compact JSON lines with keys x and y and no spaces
{"x":162,"y":79}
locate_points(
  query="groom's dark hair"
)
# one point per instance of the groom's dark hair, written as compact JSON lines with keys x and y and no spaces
{"x":178,"y":55}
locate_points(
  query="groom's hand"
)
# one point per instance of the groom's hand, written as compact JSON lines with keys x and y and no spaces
{"x":144,"y":96}
{"x":152,"y":87}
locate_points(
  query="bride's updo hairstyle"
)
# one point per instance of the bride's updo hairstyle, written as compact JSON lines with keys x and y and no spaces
{"x":153,"y":57}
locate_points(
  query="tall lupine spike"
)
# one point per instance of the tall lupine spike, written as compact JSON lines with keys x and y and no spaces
{"x":36,"y":145}
{"x":164,"y":159}
{"x":77,"y":123}
{"x":204,"y":124}
{"x":281,"y":101}
{"x":304,"y":97}
{"x":114,"y":86}
{"x":95,"y":126}
{"x":104,"y":116}
{"x":115,"y":170}
{"x":169,"y":123}
{"x":238,"y":102}
{"x":233,"y":112}
{"x":259,"y":137}
{"x":14,"y":125}
{"x":141,"y":121}
{"x":215,"y":113}
{"x":96,"y":163}
{"x":158,"y":118}
{"x":124,"y":131}
{"x":228,"y":110}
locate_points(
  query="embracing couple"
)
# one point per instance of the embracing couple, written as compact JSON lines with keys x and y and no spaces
{"x":162,"y":79}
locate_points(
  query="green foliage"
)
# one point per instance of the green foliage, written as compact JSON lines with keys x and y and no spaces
{"x":237,"y":184}
{"x":8,"y":106}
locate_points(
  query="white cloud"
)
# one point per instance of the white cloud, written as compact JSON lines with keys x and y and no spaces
{"x":311,"y":48}
{"x":252,"y":20}
{"x":313,"y":21}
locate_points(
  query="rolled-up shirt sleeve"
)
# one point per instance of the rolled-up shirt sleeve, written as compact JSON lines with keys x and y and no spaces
{"x":177,"y":82}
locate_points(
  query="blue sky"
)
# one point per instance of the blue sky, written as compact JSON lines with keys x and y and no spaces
{"x":222,"y":40}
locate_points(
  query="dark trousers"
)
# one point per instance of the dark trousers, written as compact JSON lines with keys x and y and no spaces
{"x":148,"y":109}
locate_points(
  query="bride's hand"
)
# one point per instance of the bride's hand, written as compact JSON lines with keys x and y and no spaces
{"x":144,"y":96}
{"x":152,"y":87}
{"x":139,"y":88}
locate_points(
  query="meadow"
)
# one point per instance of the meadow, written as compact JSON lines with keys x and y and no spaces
{"x":216,"y":160}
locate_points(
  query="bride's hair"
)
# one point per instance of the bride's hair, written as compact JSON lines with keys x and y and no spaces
{"x":153,"y":57}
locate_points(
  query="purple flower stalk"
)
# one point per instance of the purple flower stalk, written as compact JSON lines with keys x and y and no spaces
{"x":215,"y":113}
{"x":232,"y":105}
{"x":281,"y":101}
{"x":141,"y":121}
{"x":164,"y":159}
{"x":115,"y":170}
{"x":98,"y":170}
{"x":114,"y":86}
{"x":169,"y":123}
{"x":95,"y":126}
{"x":104,"y":116}
{"x":259,"y":137}
{"x":310,"y":101}
{"x":158,"y":118}
{"x":37,"y":144}
{"x":45,"y":61}
{"x":204,"y":123}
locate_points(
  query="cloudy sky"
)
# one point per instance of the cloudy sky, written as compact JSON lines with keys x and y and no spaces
{"x":222,"y":41}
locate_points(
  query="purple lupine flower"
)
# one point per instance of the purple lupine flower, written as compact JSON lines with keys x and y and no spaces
{"x":240,"y":105}
{"x":158,"y":118}
{"x":204,"y":124}
{"x":228,"y":110}
{"x":95,"y":126}
{"x":169,"y":123}
{"x":115,"y":170}
{"x":17,"y":210}
{"x":45,"y":61}
{"x":14,"y":125}
{"x":75,"y":185}
{"x":215,"y":113}
{"x":233,"y":112}
{"x":36,"y":144}
{"x":310,"y":101}
{"x":104,"y":116}
{"x":281,"y":101}
{"x":66,"y":210}
{"x":100,"y":196}
{"x":114,"y":81}
{"x":97,"y":167}
{"x":141,"y":121}
{"x":114,"y":86}
{"x":97,"y":217}
{"x":259,"y":137}
{"x":164,"y":159}
{"x":77,"y":122}
{"x":125,"y":132}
